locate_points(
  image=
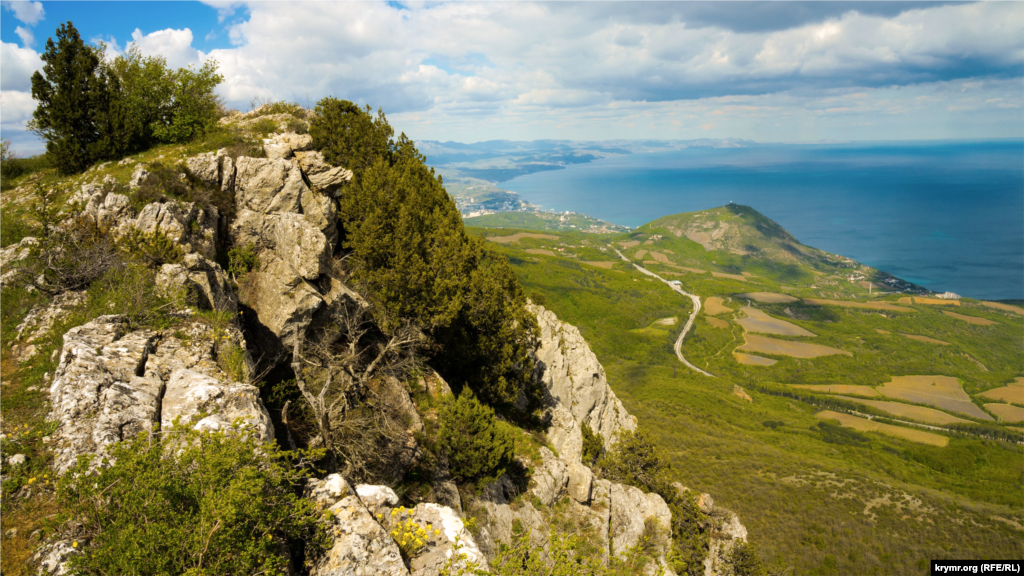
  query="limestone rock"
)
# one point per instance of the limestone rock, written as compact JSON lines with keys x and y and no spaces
{"x":440,"y":547}
{"x":575,"y":379}
{"x":705,"y":503}
{"x":724,"y":538}
{"x":324,"y":177}
{"x":12,"y":255}
{"x":190,"y":393}
{"x":185,"y":223}
{"x":112,"y":384}
{"x":361,"y":547}
{"x":630,"y":509}
{"x":581,"y":482}
{"x":139,"y":177}
{"x":268,"y":186}
{"x":549,"y":479}
{"x":52,"y":557}
{"x":284,"y":301}
{"x":86,"y":192}
{"x":109,"y":211}
{"x":284,"y":146}
{"x":206,"y":167}
{"x":40,"y":319}
{"x":207,"y":285}
{"x":377,"y":499}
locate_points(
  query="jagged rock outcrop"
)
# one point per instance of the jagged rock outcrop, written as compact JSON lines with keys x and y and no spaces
{"x":191,"y":226}
{"x":360,"y":526}
{"x":577,"y":387}
{"x":324,"y":177}
{"x":206,"y":284}
{"x":113,"y":383}
{"x":361,"y":546}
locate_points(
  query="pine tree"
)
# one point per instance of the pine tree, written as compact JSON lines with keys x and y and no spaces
{"x":73,"y":101}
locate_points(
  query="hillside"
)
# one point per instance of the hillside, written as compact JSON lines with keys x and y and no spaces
{"x":859,"y":429}
{"x":238,"y":338}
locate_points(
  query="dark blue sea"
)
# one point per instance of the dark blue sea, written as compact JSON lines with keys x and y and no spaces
{"x":947,"y":215}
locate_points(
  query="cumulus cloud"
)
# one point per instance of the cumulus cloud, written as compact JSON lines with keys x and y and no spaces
{"x":174,"y":45}
{"x":16,"y":67}
{"x":18,"y":107}
{"x":27,"y":38}
{"x":30,"y":13}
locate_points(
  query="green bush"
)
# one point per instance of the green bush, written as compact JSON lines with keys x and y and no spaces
{"x":745,"y":562}
{"x":477,"y":445}
{"x":265,"y":126}
{"x":593,"y":445}
{"x":188,"y":502}
{"x":242,"y":260}
{"x":151,"y":249}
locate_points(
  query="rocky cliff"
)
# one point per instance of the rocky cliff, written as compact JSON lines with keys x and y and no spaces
{"x":114,"y":382}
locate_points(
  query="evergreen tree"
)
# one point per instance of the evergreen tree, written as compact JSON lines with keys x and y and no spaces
{"x":476,"y":443}
{"x":348,"y":136}
{"x":73,"y":101}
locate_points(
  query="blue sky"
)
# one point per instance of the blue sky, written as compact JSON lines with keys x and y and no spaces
{"x":462,"y":71}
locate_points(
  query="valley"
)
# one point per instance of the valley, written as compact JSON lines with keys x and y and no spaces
{"x":870,"y":442}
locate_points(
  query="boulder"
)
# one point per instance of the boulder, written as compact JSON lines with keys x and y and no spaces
{"x":377,"y":499}
{"x":206,"y":284}
{"x":549,"y":479}
{"x":723,"y":539}
{"x":190,"y":393}
{"x":284,"y":301}
{"x":448,"y":538}
{"x":139,"y":177}
{"x":268,"y":186}
{"x":324,"y":177}
{"x":112,"y":383}
{"x":12,"y":255}
{"x":581,"y":482}
{"x":630,"y":510}
{"x":52,"y":557}
{"x":361,"y":546}
{"x":109,"y":211}
{"x":206,"y":167}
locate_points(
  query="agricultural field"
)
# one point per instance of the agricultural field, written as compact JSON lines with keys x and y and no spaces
{"x":774,"y":346}
{"x":1006,"y":412}
{"x":910,"y":300}
{"x":715,"y":306}
{"x":607,"y":265}
{"x":942,"y":392}
{"x":865,"y":305}
{"x":865,"y":425}
{"x":540,"y":251}
{"x":1004,"y":307}
{"x":838,"y":389}
{"x":1012,"y":393}
{"x":768,"y":297}
{"x":817,"y":498}
{"x":970,"y":319}
{"x":752,"y":360}
{"x":927,"y":339}
{"x":918,"y":413}
{"x":758,"y":321}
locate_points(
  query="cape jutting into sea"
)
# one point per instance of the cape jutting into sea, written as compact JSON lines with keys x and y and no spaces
{"x":947,"y":215}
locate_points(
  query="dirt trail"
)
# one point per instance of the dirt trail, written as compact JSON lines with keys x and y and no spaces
{"x":689,"y":323}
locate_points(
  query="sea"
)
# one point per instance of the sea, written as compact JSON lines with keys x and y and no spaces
{"x":946,"y":215}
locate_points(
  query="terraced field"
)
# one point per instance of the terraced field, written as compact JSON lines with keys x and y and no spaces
{"x":1012,"y":393}
{"x":715,"y":306}
{"x":751,"y":360}
{"x":976,"y":320}
{"x":863,"y":305}
{"x":1006,"y":412}
{"x":768,"y":297}
{"x":854,"y":389}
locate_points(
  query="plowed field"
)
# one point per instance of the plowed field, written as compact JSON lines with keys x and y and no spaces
{"x":765,"y":345}
{"x":865,"y":425}
{"x":939,"y":391}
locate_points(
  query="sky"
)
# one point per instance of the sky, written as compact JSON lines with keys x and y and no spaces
{"x":469,"y":72}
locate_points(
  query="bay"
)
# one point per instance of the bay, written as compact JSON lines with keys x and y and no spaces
{"x":947,"y":215}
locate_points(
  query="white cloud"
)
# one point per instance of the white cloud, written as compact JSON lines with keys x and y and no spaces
{"x":27,"y":39}
{"x":30,"y":13}
{"x":174,"y":45}
{"x":16,"y":67}
{"x":17,"y":109}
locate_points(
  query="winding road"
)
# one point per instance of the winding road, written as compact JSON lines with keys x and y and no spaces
{"x":689,"y":322}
